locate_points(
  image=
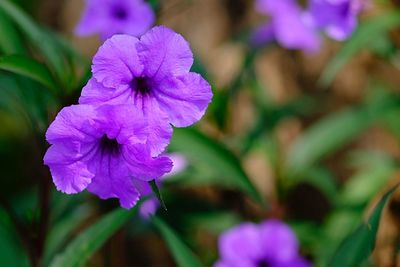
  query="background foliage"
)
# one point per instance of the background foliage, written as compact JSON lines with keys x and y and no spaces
{"x":310,"y":139}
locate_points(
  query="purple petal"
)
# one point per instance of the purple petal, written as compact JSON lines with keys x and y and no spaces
{"x":292,"y":31}
{"x":179,"y":162}
{"x":116,"y":62}
{"x":142,"y":165}
{"x":160,"y":130}
{"x":110,"y":17}
{"x":295,"y":262}
{"x":164,"y":53}
{"x":149,"y":208}
{"x":70,"y":174}
{"x":241,"y":244}
{"x":73,"y":142}
{"x":91,"y":21}
{"x":262,"y":35}
{"x":123,"y":123}
{"x":112,"y":180}
{"x":184,"y":98}
{"x":273,"y":8}
{"x":72,"y":122}
{"x":235,"y":264}
{"x":291,"y":26}
{"x":72,"y":178}
{"x":279,"y":241}
{"x":94,"y":93}
{"x":337,"y":18}
{"x":140,"y":19}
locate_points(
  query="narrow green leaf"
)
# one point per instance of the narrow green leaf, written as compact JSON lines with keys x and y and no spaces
{"x":10,"y":246}
{"x":38,"y":37}
{"x":30,"y":68}
{"x":183,"y":256}
{"x":357,"y":247}
{"x":157,"y":193}
{"x":329,"y":134}
{"x":223,"y":163}
{"x":367,"y":32}
{"x":366,"y":183}
{"x":63,"y":229}
{"x":334,"y":131}
{"x":213,"y":221}
{"x":10,"y":41}
{"x":81,"y":248}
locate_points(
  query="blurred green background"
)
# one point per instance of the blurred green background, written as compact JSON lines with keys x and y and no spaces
{"x":312,"y":139}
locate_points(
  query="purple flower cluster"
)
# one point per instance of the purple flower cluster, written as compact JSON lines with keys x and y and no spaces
{"x":112,"y":142}
{"x":109,"y":17}
{"x":271,"y":244}
{"x":297,"y":28}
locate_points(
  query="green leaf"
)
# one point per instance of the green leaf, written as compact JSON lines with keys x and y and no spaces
{"x":30,"y":68}
{"x":81,"y":248}
{"x":322,"y":138}
{"x":157,"y":193}
{"x":183,"y":256}
{"x":366,"y":183}
{"x":334,"y":131}
{"x":10,"y":246}
{"x":38,"y":37}
{"x":357,"y":247}
{"x":10,"y":41}
{"x":223,"y":163}
{"x":63,"y":229}
{"x":212,"y":221}
{"x":368,"y":32}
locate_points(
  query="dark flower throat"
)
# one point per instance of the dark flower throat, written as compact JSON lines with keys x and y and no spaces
{"x":119,"y":13}
{"x":141,"y":86}
{"x":109,"y":146}
{"x":263,"y":263}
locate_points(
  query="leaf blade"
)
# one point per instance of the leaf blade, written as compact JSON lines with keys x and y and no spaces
{"x":357,"y":246}
{"x":82,"y":247}
{"x":223,"y":162}
{"x":38,"y":37}
{"x":10,"y":41}
{"x":183,"y":256}
{"x":30,"y":68}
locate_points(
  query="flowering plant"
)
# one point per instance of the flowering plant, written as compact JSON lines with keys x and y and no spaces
{"x":199,"y":133}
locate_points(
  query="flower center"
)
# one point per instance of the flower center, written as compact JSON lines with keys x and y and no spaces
{"x":119,"y":13}
{"x":108,"y":145}
{"x":263,"y":263}
{"x":344,"y":9}
{"x":141,"y":85}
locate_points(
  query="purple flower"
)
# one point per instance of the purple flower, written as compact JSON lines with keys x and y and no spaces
{"x":151,"y":205}
{"x":104,"y":150}
{"x":179,"y":162}
{"x":153,"y":74}
{"x":271,"y":243}
{"x":338,"y":18}
{"x":290,"y":26}
{"x":149,"y":208}
{"x":109,"y":17}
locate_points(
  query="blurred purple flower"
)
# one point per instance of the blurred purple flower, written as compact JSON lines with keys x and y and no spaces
{"x":179,"y":162}
{"x":271,"y":243}
{"x":153,"y":74}
{"x":148,"y":208}
{"x":151,"y":205}
{"x":338,"y":18}
{"x":109,"y":17}
{"x":103,"y":150}
{"x":290,"y":26}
